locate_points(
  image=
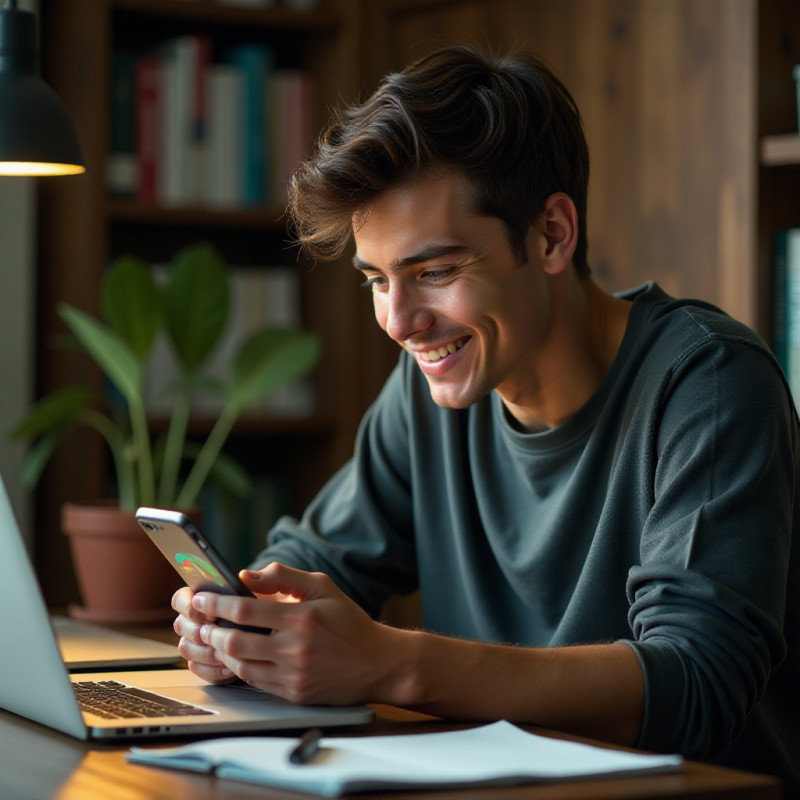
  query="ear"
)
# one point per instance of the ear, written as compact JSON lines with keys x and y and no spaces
{"x":559,"y":226}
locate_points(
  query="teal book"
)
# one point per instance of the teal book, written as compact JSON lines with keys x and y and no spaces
{"x":779,"y":300}
{"x":256,"y":63}
{"x":793,"y":311}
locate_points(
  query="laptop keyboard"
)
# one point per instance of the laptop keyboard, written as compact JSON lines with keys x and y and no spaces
{"x":114,"y":700}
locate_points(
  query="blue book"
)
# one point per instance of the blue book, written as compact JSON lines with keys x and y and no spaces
{"x":793,"y":311}
{"x":256,"y":62}
{"x":779,"y":300}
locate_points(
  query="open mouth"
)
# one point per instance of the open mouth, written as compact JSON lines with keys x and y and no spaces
{"x":443,"y":351}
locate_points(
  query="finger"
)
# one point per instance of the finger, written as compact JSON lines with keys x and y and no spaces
{"x":187,"y":629}
{"x":182,"y":600}
{"x":231,"y":643}
{"x":182,"y":603}
{"x":293,"y":583}
{"x":199,"y":653}
{"x":218,"y":675}
{"x":248,"y":611}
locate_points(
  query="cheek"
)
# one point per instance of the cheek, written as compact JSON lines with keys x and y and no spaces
{"x":380,"y":307}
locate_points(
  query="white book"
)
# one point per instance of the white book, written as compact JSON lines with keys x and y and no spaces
{"x":181,"y":144}
{"x":284,"y":309}
{"x":222,"y":180}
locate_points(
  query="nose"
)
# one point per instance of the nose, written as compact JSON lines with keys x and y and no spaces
{"x":401,"y":312}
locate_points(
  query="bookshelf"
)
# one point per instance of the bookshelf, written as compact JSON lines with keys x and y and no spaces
{"x":83,"y":226}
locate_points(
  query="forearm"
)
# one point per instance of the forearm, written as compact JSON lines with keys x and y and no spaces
{"x":591,"y":690}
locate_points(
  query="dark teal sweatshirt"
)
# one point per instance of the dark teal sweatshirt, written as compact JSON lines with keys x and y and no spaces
{"x":661,"y":515}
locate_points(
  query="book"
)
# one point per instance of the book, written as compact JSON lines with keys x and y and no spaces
{"x":256,"y":62}
{"x":779,"y":305}
{"x":183,"y":61}
{"x":148,"y":126}
{"x":222,"y":183}
{"x":786,"y":306}
{"x":122,"y":167}
{"x":498,"y":754}
{"x":792,"y":312}
{"x":283,"y":308}
{"x":294,"y":125}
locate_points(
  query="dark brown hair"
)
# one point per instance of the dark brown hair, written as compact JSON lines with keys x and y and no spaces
{"x":507,"y":123}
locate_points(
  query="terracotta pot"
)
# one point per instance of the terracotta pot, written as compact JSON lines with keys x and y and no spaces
{"x":122,"y":576}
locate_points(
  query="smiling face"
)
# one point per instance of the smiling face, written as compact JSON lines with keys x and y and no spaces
{"x":448,"y":287}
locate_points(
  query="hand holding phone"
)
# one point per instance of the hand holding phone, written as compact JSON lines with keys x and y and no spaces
{"x":194,"y":558}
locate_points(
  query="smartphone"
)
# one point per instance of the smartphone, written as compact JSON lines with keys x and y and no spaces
{"x":194,"y":558}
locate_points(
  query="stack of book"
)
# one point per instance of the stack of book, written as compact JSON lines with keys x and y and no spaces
{"x":190,"y":127}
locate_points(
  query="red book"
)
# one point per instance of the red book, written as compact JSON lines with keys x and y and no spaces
{"x":148,"y":125}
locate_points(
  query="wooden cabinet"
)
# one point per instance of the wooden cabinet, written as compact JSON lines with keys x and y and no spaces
{"x":83,"y":228}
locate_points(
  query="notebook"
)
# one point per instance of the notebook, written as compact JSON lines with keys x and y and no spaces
{"x":498,"y":754}
{"x":86,"y":646}
{"x":35,"y":682}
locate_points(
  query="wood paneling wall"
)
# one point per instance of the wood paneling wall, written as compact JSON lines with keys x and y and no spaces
{"x":668,"y":97}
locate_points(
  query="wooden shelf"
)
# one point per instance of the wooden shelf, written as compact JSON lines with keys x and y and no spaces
{"x":202,"y":217}
{"x":780,"y":150}
{"x":213,"y":11}
{"x":260,"y":425}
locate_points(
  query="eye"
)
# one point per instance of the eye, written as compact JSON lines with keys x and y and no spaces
{"x":374,"y":282}
{"x":437,"y":275}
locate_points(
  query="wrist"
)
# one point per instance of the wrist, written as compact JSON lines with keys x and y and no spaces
{"x":400,"y":675}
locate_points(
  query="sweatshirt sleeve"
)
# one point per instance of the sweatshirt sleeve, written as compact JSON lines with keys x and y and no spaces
{"x":707,"y":599}
{"x":367,"y":547}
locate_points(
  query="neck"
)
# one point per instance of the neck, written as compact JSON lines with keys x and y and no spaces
{"x":584,"y":334}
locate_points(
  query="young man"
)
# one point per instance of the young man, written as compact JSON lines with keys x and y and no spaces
{"x":594,"y":493}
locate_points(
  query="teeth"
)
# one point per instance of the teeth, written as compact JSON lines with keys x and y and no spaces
{"x":444,"y":350}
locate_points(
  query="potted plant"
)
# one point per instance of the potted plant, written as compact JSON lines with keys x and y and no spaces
{"x":168,"y":470}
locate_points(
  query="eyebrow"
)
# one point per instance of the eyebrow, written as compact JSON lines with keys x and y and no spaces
{"x":428,"y":253}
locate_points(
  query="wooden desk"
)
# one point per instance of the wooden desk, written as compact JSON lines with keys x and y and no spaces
{"x":39,"y":764}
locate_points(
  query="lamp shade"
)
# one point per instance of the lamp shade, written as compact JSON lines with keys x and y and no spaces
{"x":36,"y":133}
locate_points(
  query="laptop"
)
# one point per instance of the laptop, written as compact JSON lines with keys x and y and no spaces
{"x":35,"y":682}
{"x":86,"y":646}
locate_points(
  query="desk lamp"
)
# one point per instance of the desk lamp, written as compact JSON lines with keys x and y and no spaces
{"x":36,"y":133}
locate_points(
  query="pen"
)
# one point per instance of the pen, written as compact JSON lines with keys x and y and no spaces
{"x":307,"y":748}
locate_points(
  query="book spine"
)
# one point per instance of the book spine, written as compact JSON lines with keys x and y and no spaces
{"x":198,"y":117}
{"x":148,"y":127}
{"x":793,"y":311}
{"x":122,"y":166}
{"x":780,"y":308}
{"x":256,"y":64}
{"x":223,"y":179}
{"x":183,"y":63}
{"x":289,"y":137}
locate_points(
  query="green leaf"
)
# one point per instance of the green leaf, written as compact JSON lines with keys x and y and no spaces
{"x":132,"y":303}
{"x":37,"y":457}
{"x":271,"y":359}
{"x":58,"y":408}
{"x":226,"y":472}
{"x":197,"y":302}
{"x":110,"y":352}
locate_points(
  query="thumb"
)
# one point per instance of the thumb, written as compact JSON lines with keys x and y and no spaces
{"x":281,"y":582}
